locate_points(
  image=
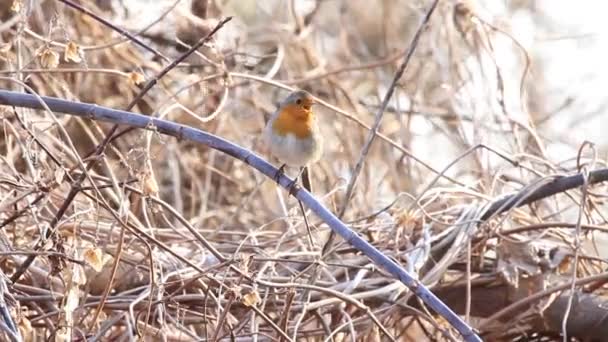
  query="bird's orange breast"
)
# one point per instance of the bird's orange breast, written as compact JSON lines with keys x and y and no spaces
{"x":296,"y":120}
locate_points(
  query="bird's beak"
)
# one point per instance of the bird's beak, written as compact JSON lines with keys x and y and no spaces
{"x":308,"y":104}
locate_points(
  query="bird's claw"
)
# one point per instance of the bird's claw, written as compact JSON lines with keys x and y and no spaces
{"x":293,"y":187}
{"x":280,"y":171}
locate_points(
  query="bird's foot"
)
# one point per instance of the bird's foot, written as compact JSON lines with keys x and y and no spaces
{"x":293,"y":187}
{"x":280,"y":171}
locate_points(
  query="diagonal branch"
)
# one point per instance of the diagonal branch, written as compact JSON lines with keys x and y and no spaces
{"x":556,"y":186}
{"x":75,"y":187}
{"x":188,"y":133}
{"x":378,"y":119}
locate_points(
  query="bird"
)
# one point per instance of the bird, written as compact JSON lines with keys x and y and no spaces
{"x":293,"y":136}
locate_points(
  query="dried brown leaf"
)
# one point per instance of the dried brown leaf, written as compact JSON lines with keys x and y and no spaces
{"x":25,"y":328}
{"x":49,"y":59}
{"x":150,"y":186}
{"x":5,"y":48}
{"x":59,"y":174}
{"x":94,"y":258}
{"x":374,"y":334}
{"x":251,"y":299}
{"x":136,"y":78}
{"x":17,"y":6}
{"x":72,"y":53}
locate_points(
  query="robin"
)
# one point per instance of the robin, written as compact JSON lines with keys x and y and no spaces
{"x":293,"y":136}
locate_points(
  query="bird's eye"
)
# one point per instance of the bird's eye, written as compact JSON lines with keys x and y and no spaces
{"x":299,"y":101}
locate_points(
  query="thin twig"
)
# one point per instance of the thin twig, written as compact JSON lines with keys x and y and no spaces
{"x":151,"y":83}
{"x":185,"y":132}
{"x":577,"y":239}
{"x":538,"y":296}
{"x":114,"y":27}
{"x":75,"y":186}
{"x":378,"y":118}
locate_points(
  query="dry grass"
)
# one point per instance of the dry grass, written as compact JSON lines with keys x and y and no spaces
{"x":98,"y":277}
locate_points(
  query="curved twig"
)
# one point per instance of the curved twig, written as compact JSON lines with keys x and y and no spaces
{"x":95,"y":112}
{"x":559,"y":184}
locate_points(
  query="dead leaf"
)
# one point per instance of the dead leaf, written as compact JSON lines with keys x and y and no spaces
{"x":251,"y":299}
{"x":374,"y":334}
{"x":94,"y":258}
{"x":72,"y":53}
{"x":136,"y":78}
{"x":62,"y":334}
{"x":5,"y":48}
{"x":59,"y":174}
{"x":17,"y":6}
{"x":150,"y":185}
{"x":25,"y":328}
{"x":49,"y":59}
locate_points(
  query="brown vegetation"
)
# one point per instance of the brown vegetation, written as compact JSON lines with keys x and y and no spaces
{"x":101,"y":245}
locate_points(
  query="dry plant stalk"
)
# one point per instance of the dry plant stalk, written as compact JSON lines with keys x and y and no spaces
{"x":455,"y":139}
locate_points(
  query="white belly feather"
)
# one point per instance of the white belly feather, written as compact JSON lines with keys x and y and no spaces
{"x":295,"y":151}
